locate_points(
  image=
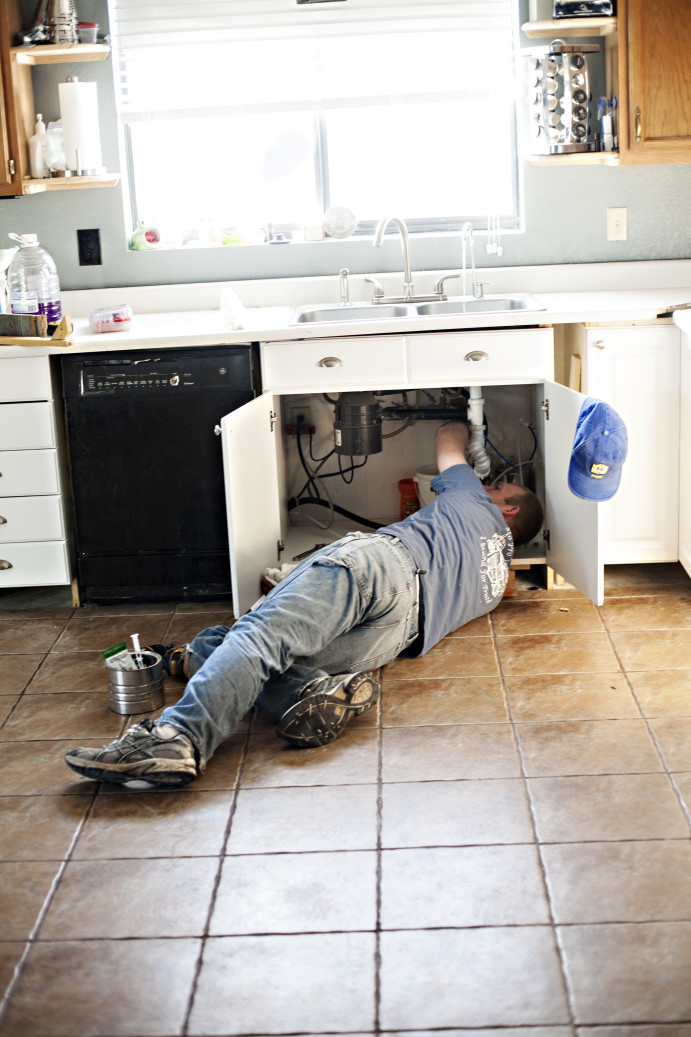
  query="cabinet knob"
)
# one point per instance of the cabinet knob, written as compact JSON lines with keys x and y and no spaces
{"x":4,"y":564}
{"x":3,"y":520}
{"x":330,"y":361}
{"x":217,"y":430}
{"x":476,"y":355}
{"x":599,"y":344}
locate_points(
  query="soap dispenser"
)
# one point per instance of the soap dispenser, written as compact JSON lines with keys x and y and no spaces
{"x":37,"y":150}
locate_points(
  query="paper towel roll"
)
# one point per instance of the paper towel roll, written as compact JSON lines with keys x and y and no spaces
{"x":79,"y":115}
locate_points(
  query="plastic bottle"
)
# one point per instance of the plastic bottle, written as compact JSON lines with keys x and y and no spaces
{"x":409,"y":502}
{"x":33,"y":280}
{"x":37,"y":150}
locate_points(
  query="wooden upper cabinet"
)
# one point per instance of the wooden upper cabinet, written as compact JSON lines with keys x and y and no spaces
{"x":655,"y":63}
{"x":13,"y":152}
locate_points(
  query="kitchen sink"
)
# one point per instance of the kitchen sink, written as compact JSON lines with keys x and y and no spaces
{"x":331,"y":314}
{"x":383,"y":311}
{"x":492,"y":304}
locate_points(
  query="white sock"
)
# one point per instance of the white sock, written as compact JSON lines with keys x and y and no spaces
{"x":166,"y":731}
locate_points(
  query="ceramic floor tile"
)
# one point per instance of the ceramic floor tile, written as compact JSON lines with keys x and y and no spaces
{"x":666,"y":650}
{"x":147,"y":608}
{"x":24,"y":886}
{"x":29,"y":636}
{"x":132,"y":898}
{"x":106,"y":988}
{"x":657,"y":612}
{"x":7,"y":704}
{"x":96,"y":633}
{"x":33,"y":768}
{"x":78,"y":715}
{"x":545,"y":617}
{"x":629,"y":973}
{"x":336,"y":817}
{"x":184,"y":626}
{"x":570,"y":696}
{"x":39,"y":828}
{"x":331,"y":990}
{"x":76,"y":671}
{"x":17,"y":670}
{"x":662,"y":693}
{"x":458,"y":887}
{"x":607,"y":807}
{"x":490,"y":977}
{"x":556,"y":653}
{"x":683,"y":782}
{"x":353,"y":758}
{"x":307,"y":893}
{"x":645,"y":579}
{"x":452,"y":657}
{"x":450,"y":700}
{"x":455,"y":813}
{"x":155,"y":825}
{"x":463,"y":751}
{"x":656,"y":1030}
{"x":674,"y":739}
{"x":587,"y":747}
{"x":620,"y":882}
{"x":10,"y":955}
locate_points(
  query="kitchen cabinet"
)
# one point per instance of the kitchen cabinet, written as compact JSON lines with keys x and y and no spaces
{"x":685,"y":453}
{"x":17,"y":116}
{"x":33,"y":535}
{"x":637,"y":370}
{"x":254,"y":456}
{"x":646,"y":68}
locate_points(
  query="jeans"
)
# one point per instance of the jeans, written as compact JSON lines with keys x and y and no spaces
{"x":351,"y":607}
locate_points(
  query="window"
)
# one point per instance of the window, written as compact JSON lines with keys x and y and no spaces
{"x":240,"y":113}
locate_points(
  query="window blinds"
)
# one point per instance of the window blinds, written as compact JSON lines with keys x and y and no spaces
{"x":251,"y":54}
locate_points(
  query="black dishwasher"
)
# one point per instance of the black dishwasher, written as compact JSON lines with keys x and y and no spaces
{"x":146,"y":469}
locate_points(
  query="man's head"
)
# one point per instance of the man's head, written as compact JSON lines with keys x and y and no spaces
{"x":521,"y":509}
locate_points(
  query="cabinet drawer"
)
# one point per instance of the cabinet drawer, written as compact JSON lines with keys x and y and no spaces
{"x":25,"y":378}
{"x":31,"y":518}
{"x":26,"y":426}
{"x":25,"y":472}
{"x":325,"y":364}
{"x":34,"y":564}
{"x":481,"y":357}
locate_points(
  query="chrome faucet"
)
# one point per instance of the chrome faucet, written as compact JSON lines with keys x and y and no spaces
{"x":408,"y":288}
{"x":343,"y":287}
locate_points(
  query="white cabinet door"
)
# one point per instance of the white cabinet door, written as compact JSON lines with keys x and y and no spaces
{"x":251,"y":437}
{"x":575,"y":542}
{"x":636,"y":370}
{"x":685,"y":452}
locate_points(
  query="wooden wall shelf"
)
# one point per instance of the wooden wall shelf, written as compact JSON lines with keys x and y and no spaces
{"x":59,"y":53}
{"x":567,"y":27}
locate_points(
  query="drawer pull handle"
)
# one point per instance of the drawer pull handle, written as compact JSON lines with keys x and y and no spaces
{"x":477,"y":354}
{"x":4,"y":564}
{"x":3,"y":520}
{"x":330,"y":361}
{"x":600,"y":344}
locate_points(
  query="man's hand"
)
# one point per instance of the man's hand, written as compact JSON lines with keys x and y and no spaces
{"x":451,"y":441}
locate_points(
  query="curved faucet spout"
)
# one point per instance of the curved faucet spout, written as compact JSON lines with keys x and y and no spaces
{"x":405,"y":242}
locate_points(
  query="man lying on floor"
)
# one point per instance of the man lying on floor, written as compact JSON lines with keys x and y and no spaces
{"x":308,"y":655}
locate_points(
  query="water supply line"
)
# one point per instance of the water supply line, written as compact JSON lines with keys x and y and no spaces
{"x":475,"y":450}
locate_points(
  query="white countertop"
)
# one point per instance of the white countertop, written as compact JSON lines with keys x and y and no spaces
{"x":161,"y":320}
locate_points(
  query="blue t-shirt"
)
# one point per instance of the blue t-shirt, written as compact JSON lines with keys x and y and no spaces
{"x":462,"y":541}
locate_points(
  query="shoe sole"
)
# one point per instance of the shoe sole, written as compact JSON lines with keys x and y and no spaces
{"x":153,"y":776}
{"x":319,"y":719}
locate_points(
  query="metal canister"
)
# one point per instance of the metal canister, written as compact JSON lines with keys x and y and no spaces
{"x":136,"y":691}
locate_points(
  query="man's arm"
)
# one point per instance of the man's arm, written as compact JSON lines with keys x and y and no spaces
{"x":451,"y":441}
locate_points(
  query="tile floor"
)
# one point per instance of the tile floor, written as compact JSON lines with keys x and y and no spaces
{"x":504,"y":848}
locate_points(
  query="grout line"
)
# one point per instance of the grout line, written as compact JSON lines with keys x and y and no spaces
{"x":380,"y":818}
{"x":568,"y":993}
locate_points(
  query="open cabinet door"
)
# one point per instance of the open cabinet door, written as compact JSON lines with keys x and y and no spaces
{"x":250,"y":469}
{"x":683,"y":319}
{"x":575,"y":548}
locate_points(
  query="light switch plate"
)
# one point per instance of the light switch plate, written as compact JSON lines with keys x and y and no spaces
{"x":617,"y":229}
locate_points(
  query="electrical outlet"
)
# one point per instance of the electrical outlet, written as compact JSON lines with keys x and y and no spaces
{"x":616,"y":224}
{"x":89,"y":246}
{"x":300,"y":410}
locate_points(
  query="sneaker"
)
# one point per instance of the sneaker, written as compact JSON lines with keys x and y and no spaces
{"x":151,"y":752}
{"x":325,"y":707}
{"x":173,"y":659}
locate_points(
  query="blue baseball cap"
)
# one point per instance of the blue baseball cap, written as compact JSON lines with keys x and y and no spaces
{"x":598,"y":452}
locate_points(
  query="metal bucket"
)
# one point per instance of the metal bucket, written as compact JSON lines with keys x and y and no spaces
{"x":136,"y":691}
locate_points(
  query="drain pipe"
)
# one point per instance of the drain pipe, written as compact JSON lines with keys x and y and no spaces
{"x":475,"y":449}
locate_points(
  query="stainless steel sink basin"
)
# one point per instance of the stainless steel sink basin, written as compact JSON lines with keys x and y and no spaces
{"x":337,"y":314}
{"x":496,"y":304}
{"x":384,"y":311}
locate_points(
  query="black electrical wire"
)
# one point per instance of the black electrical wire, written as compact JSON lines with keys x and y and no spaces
{"x":295,"y":502}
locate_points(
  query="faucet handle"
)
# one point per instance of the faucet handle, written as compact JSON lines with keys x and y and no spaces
{"x":378,"y":290}
{"x":479,"y":289}
{"x":439,"y":286}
